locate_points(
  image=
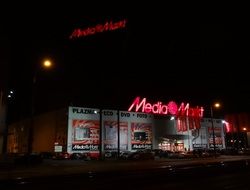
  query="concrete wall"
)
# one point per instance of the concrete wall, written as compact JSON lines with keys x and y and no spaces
{"x":49,"y":128}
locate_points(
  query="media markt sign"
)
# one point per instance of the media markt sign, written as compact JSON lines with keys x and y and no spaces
{"x":171,"y":108}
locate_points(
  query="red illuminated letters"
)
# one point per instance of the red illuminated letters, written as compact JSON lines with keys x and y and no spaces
{"x":170,"y":108}
{"x":157,"y":108}
{"x":108,"y":26}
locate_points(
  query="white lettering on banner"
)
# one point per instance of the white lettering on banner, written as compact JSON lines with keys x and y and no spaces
{"x":114,"y":147}
{"x":141,"y":146}
{"x":85,"y":147}
{"x":123,"y":146}
{"x":110,"y":147}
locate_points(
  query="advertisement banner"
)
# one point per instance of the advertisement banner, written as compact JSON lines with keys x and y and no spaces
{"x":83,"y":130}
{"x":217,"y":136}
{"x":85,"y":135}
{"x":141,"y":136}
{"x":111,"y":135}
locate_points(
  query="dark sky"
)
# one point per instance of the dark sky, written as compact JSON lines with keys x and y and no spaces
{"x":161,"y":56}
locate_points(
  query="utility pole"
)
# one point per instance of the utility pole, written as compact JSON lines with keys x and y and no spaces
{"x":3,"y":123}
{"x":118,"y":134}
{"x":212,"y":122}
{"x":47,"y":64}
{"x":3,"y":89}
{"x":216,"y":105}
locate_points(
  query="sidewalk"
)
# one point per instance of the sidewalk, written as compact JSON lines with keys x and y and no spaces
{"x":65,"y":167}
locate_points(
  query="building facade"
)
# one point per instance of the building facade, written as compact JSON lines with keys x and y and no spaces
{"x":88,"y":130}
{"x":96,"y":131}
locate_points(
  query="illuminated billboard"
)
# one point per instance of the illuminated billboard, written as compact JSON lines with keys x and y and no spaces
{"x":83,"y":130}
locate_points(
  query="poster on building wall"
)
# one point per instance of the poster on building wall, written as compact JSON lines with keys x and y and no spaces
{"x":83,"y":130}
{"x":111,"y":135}
{"x":217,"y":136}
{"x":85,"y":135}
{"x":141,"y":136}
{"x":200,"y":139}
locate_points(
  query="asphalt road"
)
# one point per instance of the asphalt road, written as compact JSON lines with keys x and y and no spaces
{"x":224,"y":172}
{"x":206,"y":174}
{"x":65,"y":167}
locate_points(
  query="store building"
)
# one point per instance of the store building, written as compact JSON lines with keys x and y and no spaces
{"x":96,"y":131}
{"x":238,"y":131}
{"x":136,"y":131}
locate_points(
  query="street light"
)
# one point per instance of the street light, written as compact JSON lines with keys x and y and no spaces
{"x":245,"y":136}
{"x":216,"y":105}
{"x":46,"y":64}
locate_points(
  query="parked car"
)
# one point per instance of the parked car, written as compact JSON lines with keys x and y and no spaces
{"x":79,"y":156}
{"x":142,"y":155}
{"x":61,"y":156}
{"x":110,"y":154}
{"x":161,"y":153}
{"x":124,"y":155}
{"x":28,"y":159}
{"x":46,"y":155}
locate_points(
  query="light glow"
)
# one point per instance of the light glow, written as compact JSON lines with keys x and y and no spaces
{"x":217,"y":105}
{"x":47,"y":63}
{"x":227,"y":126}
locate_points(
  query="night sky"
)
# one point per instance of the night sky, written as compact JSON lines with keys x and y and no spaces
{"x":160,"y":56}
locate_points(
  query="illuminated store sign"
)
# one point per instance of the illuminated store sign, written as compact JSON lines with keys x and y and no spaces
{"x":171,"y":108}
{"x":108,"y":26}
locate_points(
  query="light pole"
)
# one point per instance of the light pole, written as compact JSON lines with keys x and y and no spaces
{"x":245,"y":137}
{"x":217,"y":105}
{"x":3,"y":122}
{"x":46,"y":64}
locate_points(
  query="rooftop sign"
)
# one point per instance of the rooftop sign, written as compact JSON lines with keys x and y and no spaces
{"x":170,"y":108}
{"x":108,"y":26}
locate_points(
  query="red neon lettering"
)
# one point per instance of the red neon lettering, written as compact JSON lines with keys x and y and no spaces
{"x":147,"y":108}
{"x":157,"y":108}
{"x":171,"y":107}
{"x":91,"y":30}
{"x":76,"y":33}
{"x":191,"y":112}
{"x":201,"y":111}
{"x":113,"y":26}
{"x":183,"y":110}
{"x":136,"y":102}
{"x":108,"y":26}
{"x":164,"y":110}
{"x":84,"y":33}
{"x":99,"y":28}
{"x":196,"y":112}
